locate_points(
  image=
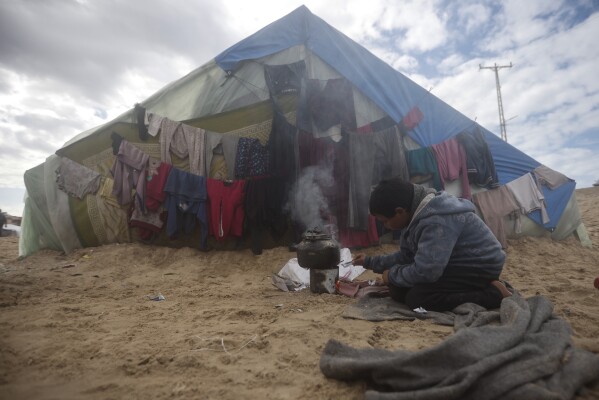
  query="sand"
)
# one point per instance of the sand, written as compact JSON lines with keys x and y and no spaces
{"x":81,"y":326}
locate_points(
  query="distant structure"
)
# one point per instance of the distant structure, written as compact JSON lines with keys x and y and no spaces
{"x":11,"y":219}
{"x":496,"y":69}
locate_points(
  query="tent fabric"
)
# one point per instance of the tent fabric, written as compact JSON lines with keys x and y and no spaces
{"x":37,"y":230}
{"x":389,"y":89}
{"x":229,"y":95}
{"x":556,"y":200}
{"x":209,"y":91}
{"x":57,"y":201}
{"x":510,"y":163}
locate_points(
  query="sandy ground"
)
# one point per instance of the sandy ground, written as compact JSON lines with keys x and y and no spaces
{"x":80,"y":326}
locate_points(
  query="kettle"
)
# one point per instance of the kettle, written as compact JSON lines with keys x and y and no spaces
{"x":318,"y":250}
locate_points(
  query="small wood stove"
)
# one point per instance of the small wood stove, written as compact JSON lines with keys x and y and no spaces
{"x":319,"y":253}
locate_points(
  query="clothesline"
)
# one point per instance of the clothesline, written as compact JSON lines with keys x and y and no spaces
{"x":371,"y":157}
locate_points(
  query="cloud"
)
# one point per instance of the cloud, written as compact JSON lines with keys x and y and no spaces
{"x":402,"y":63}
{"x":67,"y":66}
{"x":472,"y":17}
{"x":88,"y":47}
{"x":448,"y":65}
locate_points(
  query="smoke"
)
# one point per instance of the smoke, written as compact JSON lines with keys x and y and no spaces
{"x":307,"y":204}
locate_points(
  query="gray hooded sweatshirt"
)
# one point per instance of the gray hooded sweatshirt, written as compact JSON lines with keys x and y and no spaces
{"x":444,"y":237}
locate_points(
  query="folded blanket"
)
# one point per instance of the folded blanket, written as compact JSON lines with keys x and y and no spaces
{"x":522,"y":351}
{"x":375,"y":308}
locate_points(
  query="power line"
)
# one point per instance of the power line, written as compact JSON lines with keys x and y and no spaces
{"x":496,"y":69}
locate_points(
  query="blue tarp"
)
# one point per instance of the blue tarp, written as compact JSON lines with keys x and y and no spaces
{"x":556,"y":200}
{"x":393,"y":92}
{"x":511,"y":163}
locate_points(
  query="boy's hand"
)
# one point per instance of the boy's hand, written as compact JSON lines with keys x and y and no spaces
{"x":386,"y":276}
{"x":359,"y":259}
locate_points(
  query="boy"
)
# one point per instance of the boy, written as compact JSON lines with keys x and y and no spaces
{"x":447,"y":257}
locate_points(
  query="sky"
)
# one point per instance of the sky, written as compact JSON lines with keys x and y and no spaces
{"x":70,"y":65}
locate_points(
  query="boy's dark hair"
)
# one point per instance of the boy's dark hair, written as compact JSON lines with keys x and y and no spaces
{"x":390,"y":194}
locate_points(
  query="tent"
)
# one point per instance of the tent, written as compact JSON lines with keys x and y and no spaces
{"x":238,"y":93}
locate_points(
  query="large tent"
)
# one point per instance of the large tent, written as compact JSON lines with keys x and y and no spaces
{"x":237,"y":93}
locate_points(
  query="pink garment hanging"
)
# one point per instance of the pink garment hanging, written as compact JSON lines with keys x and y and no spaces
{"x":412,"y":118}
{"x":451,"y":161}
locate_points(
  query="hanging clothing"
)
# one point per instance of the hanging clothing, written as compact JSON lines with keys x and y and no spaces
{"x":374,"y":156}
{"x":422,"y":162}
{"x":389,"y":155}
{"x":116,"y":142}
{"x":228,"y":145}
{"x":481,"y":167}
{"x":188,"y":141}
{"x":218,"y":168}
{"x":167,"y":131}
{"x":282,"y":141}
{"x":225,"y":206}
{"x":362,"y":150}
{"x":284,"y":79}
{"x":326,"y":104}
{"x":493,"y":206}
{"x":129,"y":171}
{"x":185,"y":202}
{"x":282,"y":147}
{"x":528,"y":196}
{"x":140,"y":116}
{"x":154,"y":123}
{"x":183,"y":141}
{"x":411,"y":119}
{"x":265,"y":201}
{"x":260,"y":131}
{"x":148,"y":224}
{"x":353,"y":238}
{"x":451,"y":160}
{"x":376,"y":126}
{"x":252,"y":159}
{"x":156,"y":180}
{"x":75,"y":179}
{"x":548,"y":177}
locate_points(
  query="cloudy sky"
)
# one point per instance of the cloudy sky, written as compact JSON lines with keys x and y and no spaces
{"x":70,"y":65}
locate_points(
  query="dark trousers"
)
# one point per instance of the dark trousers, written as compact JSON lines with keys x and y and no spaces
{"x":448,"y":293}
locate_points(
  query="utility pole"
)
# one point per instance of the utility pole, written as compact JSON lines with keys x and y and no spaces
{"x":496,"y":68}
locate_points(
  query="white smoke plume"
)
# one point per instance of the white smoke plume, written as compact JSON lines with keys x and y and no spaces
{"x":307,"y":204}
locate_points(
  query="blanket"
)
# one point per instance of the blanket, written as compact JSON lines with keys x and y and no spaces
{"x":375,"y":308}
{"x":521,"y":351}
